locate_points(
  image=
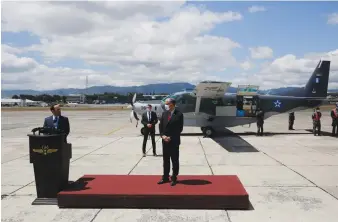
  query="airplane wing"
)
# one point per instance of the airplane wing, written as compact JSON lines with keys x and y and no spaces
{"x":208,"y":89}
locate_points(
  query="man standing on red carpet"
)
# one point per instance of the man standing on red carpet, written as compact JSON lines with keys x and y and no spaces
{"x":171,"y":127}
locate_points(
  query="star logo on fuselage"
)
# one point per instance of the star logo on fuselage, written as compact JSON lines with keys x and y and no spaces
{"x":277,"y":104}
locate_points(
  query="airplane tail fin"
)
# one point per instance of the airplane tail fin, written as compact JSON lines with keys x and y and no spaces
{"x":318,"y":82}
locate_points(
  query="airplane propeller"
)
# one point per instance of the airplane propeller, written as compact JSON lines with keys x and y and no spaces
{"x":133,"y":113}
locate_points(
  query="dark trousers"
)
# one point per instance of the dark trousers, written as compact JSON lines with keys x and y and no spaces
{"x":291,"y":122}
{"x":334,"y":129}
{"x":316,"y":127}
{"x":145,"y":139}
{"x":260,"y":129}
{"x":170,"y":153}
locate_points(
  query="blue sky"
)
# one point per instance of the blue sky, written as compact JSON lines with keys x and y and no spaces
{"x":287,"y":27}
{"x":296,"y":28}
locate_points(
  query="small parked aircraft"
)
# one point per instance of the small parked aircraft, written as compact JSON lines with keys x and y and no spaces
{"x":210,"y":107}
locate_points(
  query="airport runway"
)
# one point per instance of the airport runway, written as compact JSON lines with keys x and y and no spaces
{"x":290,"y":176}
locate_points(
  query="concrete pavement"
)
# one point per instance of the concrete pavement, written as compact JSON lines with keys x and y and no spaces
{"x":290,"y":176}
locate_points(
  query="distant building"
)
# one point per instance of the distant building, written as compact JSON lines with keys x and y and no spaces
{"x":332,"y":94}
{"x":332,"y":97}
{"x":21,"y":102}
{"x":74,"y":98}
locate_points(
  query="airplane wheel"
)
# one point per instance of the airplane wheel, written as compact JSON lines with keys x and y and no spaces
{"x":208,"y":131}
{"x":142,"y":130}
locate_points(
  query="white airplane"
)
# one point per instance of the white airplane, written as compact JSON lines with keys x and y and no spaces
{"x":71,"y":104}
{"x":210,"y":107}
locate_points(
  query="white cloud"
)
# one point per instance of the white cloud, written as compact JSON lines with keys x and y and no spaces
{"x":289,"y":70}
{"x":254,"y":9}
{"x":261,"y":52}
{"x":144,"y":43}
{"x":138,"y":44}
{"x":246,"y":65}
{"x":333,"y":19}
{"x":12,"y":64}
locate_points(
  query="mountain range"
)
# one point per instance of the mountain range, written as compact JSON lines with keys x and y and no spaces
{"x":145,"y":89}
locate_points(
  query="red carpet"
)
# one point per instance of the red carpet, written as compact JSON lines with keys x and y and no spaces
{"x":142,"y":191}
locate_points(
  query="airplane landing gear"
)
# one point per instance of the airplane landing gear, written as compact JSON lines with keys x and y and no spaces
{"x":207,"y":131}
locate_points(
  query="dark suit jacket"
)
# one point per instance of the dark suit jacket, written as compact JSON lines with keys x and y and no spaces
{"x":334,"y":118}
{"x":260,"y":117}
{"x":172,"y":128}
{"x":153,"y":121}
{"x":62,"y":125}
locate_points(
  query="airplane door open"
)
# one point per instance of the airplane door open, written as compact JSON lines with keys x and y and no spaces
{"x":247,"y":100}
{"x":255,"y":104}
{"x":239,"y":106}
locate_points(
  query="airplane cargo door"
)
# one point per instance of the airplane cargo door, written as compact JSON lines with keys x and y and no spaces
{"x":239,"y":105}
{"x":247,"y":100}
{"x":255,"y":104}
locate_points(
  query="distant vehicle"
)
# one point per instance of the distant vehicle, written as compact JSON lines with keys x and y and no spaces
{"x":210,"y":107}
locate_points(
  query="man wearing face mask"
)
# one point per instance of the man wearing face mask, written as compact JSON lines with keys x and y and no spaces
{"x":149,"y":120}
{"x":334,"y":116}
{"x":316,"y":116}
{"x":171,"y":127}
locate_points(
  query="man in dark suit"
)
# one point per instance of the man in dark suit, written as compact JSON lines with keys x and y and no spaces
{"x":260,"y":121}
{"x":149,"y":120}
{"x":57,"y":121}
{"x":291,"y":120}
{"x":171,"y":126}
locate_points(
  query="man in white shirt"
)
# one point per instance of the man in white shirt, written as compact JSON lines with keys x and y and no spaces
{"x":149,"y":120}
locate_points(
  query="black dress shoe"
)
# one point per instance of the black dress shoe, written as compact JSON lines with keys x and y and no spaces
{"x":163,"y":181}
{"x":173,"y":183}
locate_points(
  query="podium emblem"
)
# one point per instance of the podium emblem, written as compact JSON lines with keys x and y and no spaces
{"x":44,"y":150}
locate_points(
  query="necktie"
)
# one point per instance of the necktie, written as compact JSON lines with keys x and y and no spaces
{"x":149,"y":117}
{"x":169,"y":116}
{"x":56,"y":122}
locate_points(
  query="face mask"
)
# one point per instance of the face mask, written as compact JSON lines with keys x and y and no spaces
{"x":166,"y":107}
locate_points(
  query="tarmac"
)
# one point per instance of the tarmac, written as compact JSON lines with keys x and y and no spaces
{"x":289,"y":175}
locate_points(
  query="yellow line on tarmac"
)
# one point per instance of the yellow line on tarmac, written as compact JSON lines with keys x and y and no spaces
{"x":115,"y":130}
